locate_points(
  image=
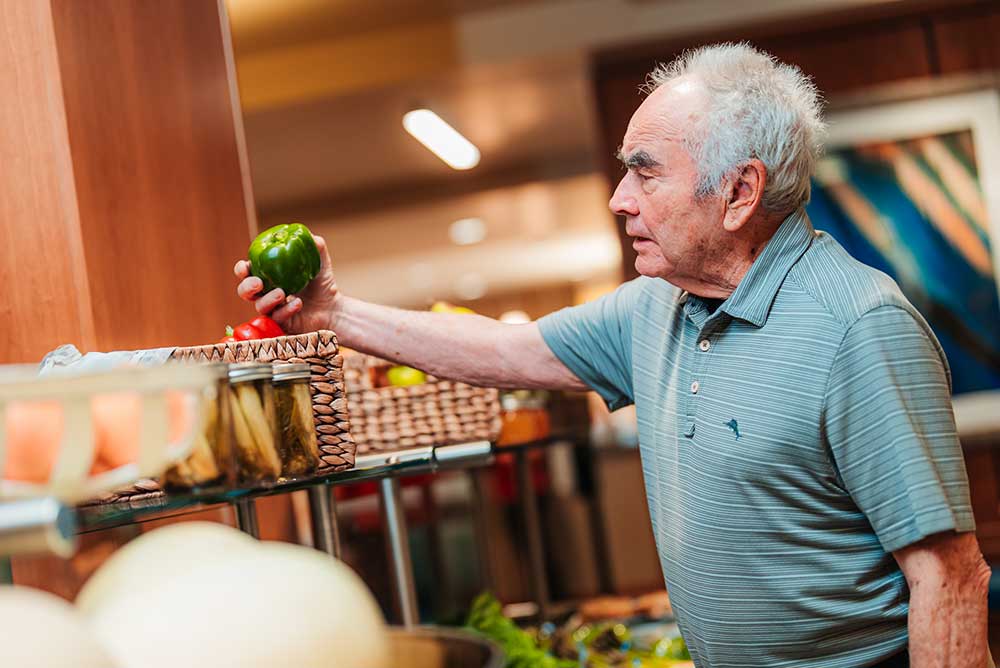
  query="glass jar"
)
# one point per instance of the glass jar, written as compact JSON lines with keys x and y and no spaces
{"x":254,"y":423}
{"x":523,"y":417}
{"x":210,"y":461}
{"x":297,"y":445}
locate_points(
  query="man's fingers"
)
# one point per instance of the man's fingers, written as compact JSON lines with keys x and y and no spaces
{"x":242,"y":269}
{"x":288,"y":310}
{"x":270,"y":301}
{"x":249,"y":288}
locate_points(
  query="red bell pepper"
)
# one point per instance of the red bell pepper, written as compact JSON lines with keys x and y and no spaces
{"x":260,"y":327}
{"x":267,"y":327}
{"x":246,"y":332}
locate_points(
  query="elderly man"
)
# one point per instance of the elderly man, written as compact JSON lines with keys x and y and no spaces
{"x":806,"y":486}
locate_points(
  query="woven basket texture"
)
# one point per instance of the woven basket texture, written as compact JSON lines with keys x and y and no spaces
{"x":438,"y":412}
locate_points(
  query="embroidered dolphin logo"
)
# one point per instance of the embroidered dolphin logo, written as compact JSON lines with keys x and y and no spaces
{"x":734,"y":425}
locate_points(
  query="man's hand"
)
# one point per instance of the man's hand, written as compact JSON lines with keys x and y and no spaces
{"x":948,"y":581}
{"x":315,"y":308}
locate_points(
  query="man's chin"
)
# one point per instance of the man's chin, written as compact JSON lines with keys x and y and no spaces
{"x":647,"y":267}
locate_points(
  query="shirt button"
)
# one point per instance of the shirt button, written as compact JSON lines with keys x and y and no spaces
{"x":694,"y":387}
{"x":704,"y":345}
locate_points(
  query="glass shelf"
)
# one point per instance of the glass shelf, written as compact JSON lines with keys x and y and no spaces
{"x":377,"y":466}
{"x":368,"y":467}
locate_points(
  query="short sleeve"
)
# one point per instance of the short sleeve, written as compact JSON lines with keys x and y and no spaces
{"x":594,"y":341}
{"x":889,"y":425}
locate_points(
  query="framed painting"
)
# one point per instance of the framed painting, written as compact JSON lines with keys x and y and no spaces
{"x":913,"y":189}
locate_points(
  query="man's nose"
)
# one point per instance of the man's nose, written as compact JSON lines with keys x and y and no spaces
{"x":622,"y":203}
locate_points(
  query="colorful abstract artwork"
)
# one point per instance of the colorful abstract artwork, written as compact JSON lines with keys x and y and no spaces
{"x":914,"y":208}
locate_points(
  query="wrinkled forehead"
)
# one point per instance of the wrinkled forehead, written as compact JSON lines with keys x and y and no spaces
{"x":667,"y":115}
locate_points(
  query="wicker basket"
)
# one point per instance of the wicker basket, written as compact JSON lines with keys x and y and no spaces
{"x":318,"y":349}
{"x":321,"y":352}
{"x":438,"y":412}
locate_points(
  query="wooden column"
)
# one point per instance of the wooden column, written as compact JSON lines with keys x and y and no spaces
{"x":125,"y":195}
{"x":124,"y":191}
{"x":46,"y":299}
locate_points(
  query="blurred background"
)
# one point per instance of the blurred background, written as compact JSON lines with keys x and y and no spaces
{"x":183,"y":128}
{"x":325,"y":86}
{"x":543,"y":91}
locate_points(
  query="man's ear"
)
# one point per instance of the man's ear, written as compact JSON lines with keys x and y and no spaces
{"x":744,"y":195}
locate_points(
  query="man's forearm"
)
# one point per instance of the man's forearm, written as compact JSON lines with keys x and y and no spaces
{"x":470,"y":348}
{"x":948,"y":620}
{"x":948,"y":628}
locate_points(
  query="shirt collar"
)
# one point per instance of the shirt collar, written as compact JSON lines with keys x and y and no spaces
{"x":753,"y":297}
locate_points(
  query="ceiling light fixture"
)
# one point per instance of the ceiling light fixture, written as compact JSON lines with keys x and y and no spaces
{"x":467,"y":231}
{"x":441,"y":139}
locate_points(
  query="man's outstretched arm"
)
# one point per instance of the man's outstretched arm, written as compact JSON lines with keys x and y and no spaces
{"x":470,"y":348}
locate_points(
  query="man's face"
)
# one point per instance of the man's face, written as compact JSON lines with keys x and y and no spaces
{"x":672,"y":230}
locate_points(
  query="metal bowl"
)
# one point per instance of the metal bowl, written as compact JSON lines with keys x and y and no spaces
{"x":435,"y":647}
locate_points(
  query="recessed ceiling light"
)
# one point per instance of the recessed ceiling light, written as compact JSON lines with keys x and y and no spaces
{"x":441,"y":139}
{"x":467,"y":231}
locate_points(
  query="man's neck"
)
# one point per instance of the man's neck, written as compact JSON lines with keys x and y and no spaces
{"x":721,"y":274}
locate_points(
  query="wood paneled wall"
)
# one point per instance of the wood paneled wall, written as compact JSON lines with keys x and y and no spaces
{"x":966,"y":41}
{"x":156,"y":165}
{"x":123,"y":189}
{"x":45,"y":298}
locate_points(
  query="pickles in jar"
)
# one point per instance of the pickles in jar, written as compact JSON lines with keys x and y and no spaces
{"x":297,"y":446}
{"x":251,"y":401}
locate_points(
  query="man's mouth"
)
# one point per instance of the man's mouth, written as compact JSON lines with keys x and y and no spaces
{"x":636,"y":236}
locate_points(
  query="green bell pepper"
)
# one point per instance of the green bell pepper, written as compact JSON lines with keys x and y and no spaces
{"x":285,"y":257}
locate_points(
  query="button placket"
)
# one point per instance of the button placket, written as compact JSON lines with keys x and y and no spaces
{"x":699,"y":364}
{"x":697,"y":368}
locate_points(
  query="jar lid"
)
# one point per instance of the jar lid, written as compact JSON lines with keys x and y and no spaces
{"x":240,"y":373}
{"x":286,"y":372}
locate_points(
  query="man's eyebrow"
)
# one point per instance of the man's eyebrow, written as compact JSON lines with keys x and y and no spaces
{"x":638,"y":160}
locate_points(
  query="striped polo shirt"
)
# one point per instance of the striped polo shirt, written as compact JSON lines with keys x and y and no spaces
{"x":791,"y":439}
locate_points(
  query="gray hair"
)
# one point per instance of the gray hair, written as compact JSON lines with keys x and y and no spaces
{"x":758,"y":108}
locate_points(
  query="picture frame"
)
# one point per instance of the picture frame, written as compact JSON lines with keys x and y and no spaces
{"x":863,"y":135}
{"x":978,"y":111}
